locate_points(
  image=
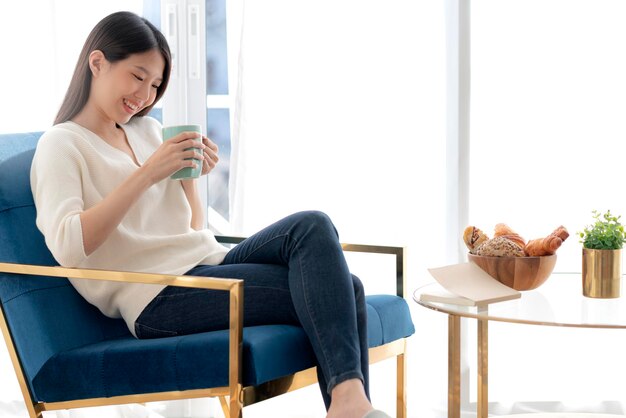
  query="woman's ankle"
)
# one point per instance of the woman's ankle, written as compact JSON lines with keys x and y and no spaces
{"x":348,"y":399}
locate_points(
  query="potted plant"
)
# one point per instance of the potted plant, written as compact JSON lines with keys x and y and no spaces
{"x":602,"y":255}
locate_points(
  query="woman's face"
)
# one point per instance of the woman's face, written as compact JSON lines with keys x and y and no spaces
{"x":124,"y":88}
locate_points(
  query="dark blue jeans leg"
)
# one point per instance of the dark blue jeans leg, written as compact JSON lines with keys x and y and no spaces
{"x":322,"y":288}
{"x":361,"y":314}
{"x":185,"y":310}
{"x":294,"y":272}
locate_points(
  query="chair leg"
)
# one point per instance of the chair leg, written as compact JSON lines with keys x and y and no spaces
{"x":235,"y":407}
{"x":32,"y":412}
{"x":224,"y":404}
{"x":401,"y":386}
{"x":230,"y":409}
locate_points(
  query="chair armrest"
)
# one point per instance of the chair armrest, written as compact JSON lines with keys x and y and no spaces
{"x":228,"y":239}
{"x":122,"y":276}
{"x":399,"y":252}
{"x":233,"y":286}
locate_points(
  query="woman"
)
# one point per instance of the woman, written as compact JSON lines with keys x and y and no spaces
{"x":100,"y":180}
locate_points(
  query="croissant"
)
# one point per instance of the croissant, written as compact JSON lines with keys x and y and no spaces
{"x":560,"y":232}
{"x":473,"y":237}
{"x":543,"y":246}
{"x":503,"y":230}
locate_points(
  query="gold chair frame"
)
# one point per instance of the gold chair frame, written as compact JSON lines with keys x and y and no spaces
{"x":234,"y":397}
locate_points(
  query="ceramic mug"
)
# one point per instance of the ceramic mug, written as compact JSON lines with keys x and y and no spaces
{"x":187,"y":172}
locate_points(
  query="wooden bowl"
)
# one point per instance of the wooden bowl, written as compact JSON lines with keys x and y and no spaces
{"x":520,"y":273}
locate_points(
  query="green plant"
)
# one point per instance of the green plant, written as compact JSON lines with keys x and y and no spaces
{"x":607,"y":233}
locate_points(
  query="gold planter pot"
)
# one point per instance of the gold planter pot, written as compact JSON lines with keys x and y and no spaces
{"x":602,"y":273}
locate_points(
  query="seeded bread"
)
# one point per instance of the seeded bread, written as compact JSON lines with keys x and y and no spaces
{"x":499,"y":247}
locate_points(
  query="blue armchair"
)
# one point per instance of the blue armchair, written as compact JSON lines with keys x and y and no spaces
{"x":66,"y":354}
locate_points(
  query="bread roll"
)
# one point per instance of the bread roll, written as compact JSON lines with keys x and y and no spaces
{"x":473,"y":237}
{"x":500,"y":247}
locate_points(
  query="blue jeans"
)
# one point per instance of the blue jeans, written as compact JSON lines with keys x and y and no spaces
{"x":294,"y":272}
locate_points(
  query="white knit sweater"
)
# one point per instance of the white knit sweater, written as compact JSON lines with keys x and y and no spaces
{"x":74,"y":169}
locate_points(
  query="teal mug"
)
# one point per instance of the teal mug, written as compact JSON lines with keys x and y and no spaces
{"x":187,"y":172}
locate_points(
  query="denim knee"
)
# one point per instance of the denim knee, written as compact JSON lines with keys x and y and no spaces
{"x":316,"y":219}
{"x":313,"y":217}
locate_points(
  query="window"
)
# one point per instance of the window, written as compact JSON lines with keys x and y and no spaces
{"x":547,"y":116}
{"x":199,"y":87}
{"x":218,"y":103}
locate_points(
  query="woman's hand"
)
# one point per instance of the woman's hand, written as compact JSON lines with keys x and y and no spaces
{"x":190,"y":187}
{"x":99,"y":221}
{"x":173,"y":154}
{"x":210,"y":155}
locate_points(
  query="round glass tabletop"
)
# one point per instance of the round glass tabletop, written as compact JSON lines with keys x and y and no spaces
{"x":561,"y":415}
{"x":559,"y":301}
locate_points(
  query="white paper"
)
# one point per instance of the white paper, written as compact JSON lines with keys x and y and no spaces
{"x":471,"y":282}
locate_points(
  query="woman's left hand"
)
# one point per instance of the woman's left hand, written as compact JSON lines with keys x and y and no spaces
{"x":210,"y":156}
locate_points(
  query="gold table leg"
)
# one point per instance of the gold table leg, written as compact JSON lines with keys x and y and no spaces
{"x":482,"y":408}
{"x":400,"y":387}
{"x":454,"y":366}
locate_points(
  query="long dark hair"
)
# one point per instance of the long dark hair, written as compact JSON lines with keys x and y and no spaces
{"x":118,"y":35}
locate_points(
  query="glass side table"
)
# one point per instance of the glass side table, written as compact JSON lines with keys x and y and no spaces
{"x":558,"y":302}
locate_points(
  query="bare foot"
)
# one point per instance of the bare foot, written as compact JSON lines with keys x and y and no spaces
{"x":348,"y":400}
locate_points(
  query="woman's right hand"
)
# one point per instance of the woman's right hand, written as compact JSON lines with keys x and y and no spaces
{"x":171,"y":156}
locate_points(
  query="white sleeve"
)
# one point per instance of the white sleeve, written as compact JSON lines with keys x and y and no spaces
{"x":56,"y":182}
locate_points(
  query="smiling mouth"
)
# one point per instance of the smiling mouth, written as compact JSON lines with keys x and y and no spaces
{"x":132,"y":106}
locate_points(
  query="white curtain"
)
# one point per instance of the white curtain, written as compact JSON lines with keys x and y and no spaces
{"x":342,"y":109}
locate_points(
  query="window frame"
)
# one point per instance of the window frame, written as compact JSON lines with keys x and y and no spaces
{"x":186,"y":100}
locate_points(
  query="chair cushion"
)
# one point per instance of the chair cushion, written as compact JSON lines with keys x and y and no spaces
{"x":128,"y":366}
{"x":17,"y":214}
